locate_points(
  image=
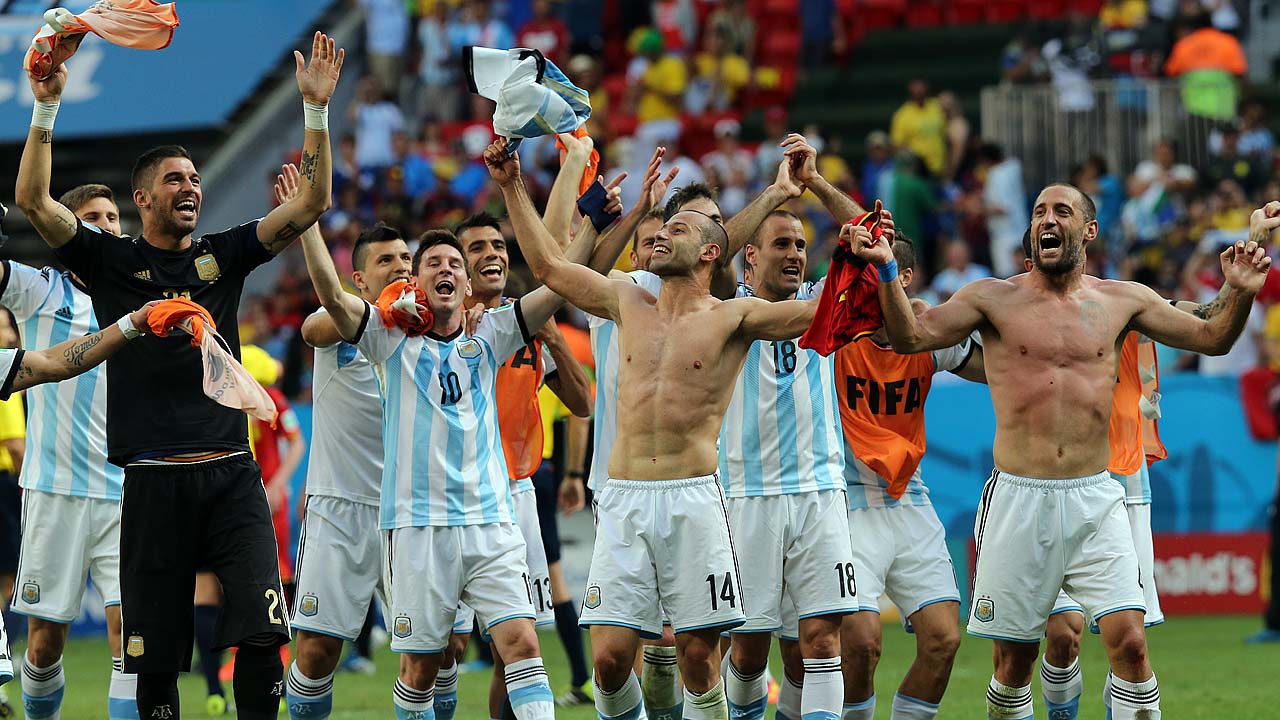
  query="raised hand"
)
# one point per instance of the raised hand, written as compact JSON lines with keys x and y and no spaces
{"x":866,"y":247}
{"x":1245,"y":266}
{"x":613,"y":191}
{"x":1263,"y":222}
{"x":317,"y":80}
{"x":802,"y":156}
{"x":654,"y":187}
{"x":471,"y":319}
{"x":287,"y":185}
{"x":785,"y":181}
{"x":50,"y":89}
{"x":580,"y":146}
{"x":504,"y":167}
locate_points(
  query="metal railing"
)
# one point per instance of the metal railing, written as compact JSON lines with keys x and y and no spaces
{"x":1120,"y":122}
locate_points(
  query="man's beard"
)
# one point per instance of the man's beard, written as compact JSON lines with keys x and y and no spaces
{"x":1066,"y":262}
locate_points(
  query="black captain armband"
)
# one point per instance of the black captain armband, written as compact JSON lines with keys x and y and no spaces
{"x":592,"y":204}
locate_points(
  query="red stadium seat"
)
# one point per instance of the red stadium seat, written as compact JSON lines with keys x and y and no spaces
{"x":924,"y":13}
{"x":1046,"y":9}
{"x":1004,"y":11}
{"x":1088,"y":7}
{"x":779,"y":45}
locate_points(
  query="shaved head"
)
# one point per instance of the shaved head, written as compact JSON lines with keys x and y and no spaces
{"x":711,"y":231}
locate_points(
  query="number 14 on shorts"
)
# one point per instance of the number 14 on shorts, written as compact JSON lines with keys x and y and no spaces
{"x":722,"y":591}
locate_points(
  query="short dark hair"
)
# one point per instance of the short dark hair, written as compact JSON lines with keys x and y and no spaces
{"x":79,"y":196}
{"x":755,"y":237}
{"x":148,"y":161}
{"x":685,"y":195}
{"x":381,"y":232}
{"x":904,"y":252}
{"x":480,"y":219}
{"x":1087,"y":206}
{"x":434,"y":237}
{"x":653,"y":214}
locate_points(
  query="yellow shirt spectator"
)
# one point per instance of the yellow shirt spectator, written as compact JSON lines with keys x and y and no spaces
{"x":13,"y":426}
{"x":732,"y":72}
{"x":552,"y":412}
{"x":922,"y":130}
{"x":662,"y":86}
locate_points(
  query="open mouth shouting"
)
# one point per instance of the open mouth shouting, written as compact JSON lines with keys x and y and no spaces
{"x":186,"y":209}
{"x":491,"y":271}
{"x":445,"y":289}
{"x":660,"y":249}
{"x":1050,"y":241}
{"x":791,"y":271}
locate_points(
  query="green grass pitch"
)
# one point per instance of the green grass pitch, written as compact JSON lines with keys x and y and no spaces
{"x":1205,"y":672}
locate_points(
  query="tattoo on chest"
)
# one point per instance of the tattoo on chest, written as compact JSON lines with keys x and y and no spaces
{"x":75,"y":355}
{"x":1094,"y":318}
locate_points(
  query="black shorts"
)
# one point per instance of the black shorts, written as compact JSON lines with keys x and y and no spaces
{"x":175,"y":520}
{"x":544,"y":491}
{"x":10,"y":523}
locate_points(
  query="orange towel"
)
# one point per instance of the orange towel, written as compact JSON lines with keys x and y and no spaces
{"x":226,"y":382}
{"x":593,"y":165}
{"x":141,"y":24}
{"x":403,"y":304}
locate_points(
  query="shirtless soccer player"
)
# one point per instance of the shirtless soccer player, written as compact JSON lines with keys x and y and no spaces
{"x":71,"y":493}
{"x":339,"y":553}
{"x":663,"y":535}
{"x":1051,"y":518}
{"x":782,"y":466}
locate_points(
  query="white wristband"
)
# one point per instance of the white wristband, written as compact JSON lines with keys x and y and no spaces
{"x":315,"y":116}
{"x":125,"y":323}
{"x":43,"y":113}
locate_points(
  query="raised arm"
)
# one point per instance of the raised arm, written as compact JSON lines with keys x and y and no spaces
{"x":346,"y":311}
{"x":55,"y":223}
{"x":1213,"y":330}
{"x":579,"y":285}
{"x":561,"y":203}
{"x":938,"y":327}
{"x":73,"y":357}
{"x":287,"y":222}
{"x":742,"y":226}
{"x":570,"y":382}
{"x":784,"y":320}
{"x":804,"y":168}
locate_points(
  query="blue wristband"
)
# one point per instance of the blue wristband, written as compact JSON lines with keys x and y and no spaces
{"x":888,"y":271}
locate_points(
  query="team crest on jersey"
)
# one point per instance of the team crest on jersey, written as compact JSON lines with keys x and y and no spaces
{"x":984,"y":610}
{"x":592,"y":600}
{"x":207,"y":268}
{"x":309,"y":605}
{"x":135,"y":647}
{"x":469,"y":349}
{"x":31,"y":593}
{"x":403,"y":627}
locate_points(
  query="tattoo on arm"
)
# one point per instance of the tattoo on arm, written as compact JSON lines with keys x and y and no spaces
{"x":25,"y":371}
{"x":309,"y":162}
{"x":284,"y":237}
{"x":46,"y":137}
{"x":75,"y":354}
{"x":68,"y":223}
{"x":1209,"y":309}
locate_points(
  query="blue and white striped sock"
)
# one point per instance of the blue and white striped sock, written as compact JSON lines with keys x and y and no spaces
{"x":42,"y":690}
{"x":789,"y":696}
{"x":1135,"y":700}
{"x":529,"y":691}
{"x":660,"y":680}
{"x":865,"y":710}
{"x":447,"y":692}
{"x":413,"y":704}
{"x":906,"y":707}
{"x":1008,"y":703}
{"x":1061,"y":688}
{"x":122,"y":694}
{"x":625,"y":703}
{"x":823,"y":689}
{"x":308,"y":698}
{"x":748,"y":694}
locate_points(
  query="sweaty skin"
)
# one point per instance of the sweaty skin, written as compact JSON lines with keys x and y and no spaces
{"x":1052,"y":337}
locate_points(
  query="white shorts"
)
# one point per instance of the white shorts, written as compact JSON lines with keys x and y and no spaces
{"x":338,"y":566}
{"x":1036,"y":537}
{"x":663,"y":545}
{"x":1140,"y":525}
{"x":901,"y":551}
{"x":65,"y":540}
{"x":428,"y":571}
{"x":800,"y":558}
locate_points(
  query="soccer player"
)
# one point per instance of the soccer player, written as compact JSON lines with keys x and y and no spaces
{"x":446,"y":506}
{"x":192,"y":494}
{"x":663,"y":537}
{"x":339,"y":553}
{"x":782,"y":465}
{"x":72,"y":493}
{"x":1051,"y":518}
{"x":899,"y":544}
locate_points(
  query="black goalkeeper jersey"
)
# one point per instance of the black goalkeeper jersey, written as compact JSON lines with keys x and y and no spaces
{"x":155,"y":393}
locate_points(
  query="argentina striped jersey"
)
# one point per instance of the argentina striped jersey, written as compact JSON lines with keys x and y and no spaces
{"x":442,"y":455}
{"x":67,"y":427}
{"x":781,"y":432}
{"x":604,"y":346}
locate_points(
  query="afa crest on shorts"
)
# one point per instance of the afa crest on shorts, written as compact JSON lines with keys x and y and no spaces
{"x":310,"y":605}
{"x":403,"y":627}
{"x":592,"y":599}
{"x":31,"y":593}
{"x":984,"y":610}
